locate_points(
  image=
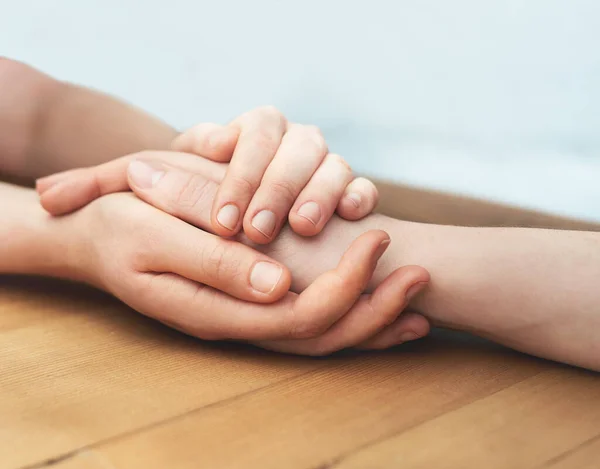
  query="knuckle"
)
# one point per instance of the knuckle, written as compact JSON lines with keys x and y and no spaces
{"x":193,"y":192}
{"x":269,"y":111}
{"x":242,"y":184}
{"x":141,"y":253}
{"x":218,"y":265}
{"x":264,"y":139}
{"x":339,"y":161}
{"x":285,"y":190}
{"x":312,"y":136}
{"x":265,"y":117}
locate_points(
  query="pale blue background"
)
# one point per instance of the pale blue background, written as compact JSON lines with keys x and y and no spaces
{"x":495,"y":98}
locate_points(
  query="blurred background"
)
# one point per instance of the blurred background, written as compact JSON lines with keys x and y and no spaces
{"x":498,"y":99}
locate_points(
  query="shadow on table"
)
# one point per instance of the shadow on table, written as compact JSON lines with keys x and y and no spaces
{"x":60,"y":298}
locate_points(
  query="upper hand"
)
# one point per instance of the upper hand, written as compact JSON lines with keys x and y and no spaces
{"x":277,"y":171}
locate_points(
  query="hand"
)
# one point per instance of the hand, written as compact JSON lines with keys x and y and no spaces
{"x":352,"y":329}
{"x":277,"y":169}
{"x":164,"y":268}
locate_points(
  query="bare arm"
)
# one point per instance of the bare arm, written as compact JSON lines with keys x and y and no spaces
{"x":534,"y":290}
{"x":48,"y":126}
{"x":29,"y":242}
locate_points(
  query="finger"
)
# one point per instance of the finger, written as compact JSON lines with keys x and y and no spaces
{"x":223,"y":264}
{"x":318,"y":200}
{"x":360,"y":198}
{"x":261,"y":132}
{"x":409,"y":326}
{"x":187,"y":195}
{"x":45,"y":183}
{"x":210,"y":314}
{"x":212,"y":141}
{"x":369,"y":315}
{"x":301,"y":152}
{"x":333,"y":293}
{"x":74,"y":189}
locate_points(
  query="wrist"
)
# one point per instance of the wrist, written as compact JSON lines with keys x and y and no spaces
{"x":309,"y":257}
{"x":33,"y":243}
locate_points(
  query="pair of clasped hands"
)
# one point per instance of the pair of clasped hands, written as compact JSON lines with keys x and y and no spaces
{"x":189,"y":246}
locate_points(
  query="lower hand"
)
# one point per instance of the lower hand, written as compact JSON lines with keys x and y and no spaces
{"x":144,"y":241}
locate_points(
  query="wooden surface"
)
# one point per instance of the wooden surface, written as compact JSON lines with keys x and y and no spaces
{"x":86,"y":383}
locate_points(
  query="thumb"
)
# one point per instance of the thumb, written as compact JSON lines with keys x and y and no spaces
{"x":184,"y":194}
{"x":66,"y":192}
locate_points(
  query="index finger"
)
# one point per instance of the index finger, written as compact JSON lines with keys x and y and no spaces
{"x":210,"y":314}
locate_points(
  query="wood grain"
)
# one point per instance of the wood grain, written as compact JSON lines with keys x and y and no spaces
{"x":87,"y":383}
{"x":82,"y":368}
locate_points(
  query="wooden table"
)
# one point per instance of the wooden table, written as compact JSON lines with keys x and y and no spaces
{"x":87,"y":383}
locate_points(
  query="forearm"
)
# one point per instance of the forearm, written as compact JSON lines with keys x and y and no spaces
{"x":30,"y":241}
{"x":533,"y":290}
{"x":48,"y":126}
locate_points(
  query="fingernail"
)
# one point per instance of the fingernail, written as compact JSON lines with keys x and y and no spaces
{"x":381,"y":248}
{"x":408,"y":336}
{"x":414,"y":290}
{"x":311,"y":211}
{"x":355,"y":198}
{"x":228,"y":216}
{"x":265,"y":222}
{"x":265,"y":276}
{"x":144,"y":175}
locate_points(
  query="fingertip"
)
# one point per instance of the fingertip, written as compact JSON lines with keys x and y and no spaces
{"x":269,"y":281}
{"x":55,"y":201}
{"x":405,"y":283}
{"x":256,"y":236}
{"x":360,"y":260}
{"x":415,"y":322}
{"x":284,"y":285}
{"x":418,"y":273}
{"x":349,"y":209}
{"x":261,"y":227}
{"x":226,"y":220}
{"x":46,"y":201}
{"x":212,"y":141}
{"x":407,"y":327}
{"x":303,"y":226}
{"x":367,"y":249}
{"x":45,"y":183}
{"x":375,"y":238}
{"x":359,"y":200}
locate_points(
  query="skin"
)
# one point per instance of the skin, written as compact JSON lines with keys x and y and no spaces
{"x":112,"y":244}
{"x":531,"y":289}
{"x":59,"y":126}
{"x":278,"y":171}
{"x":534,"y":290}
